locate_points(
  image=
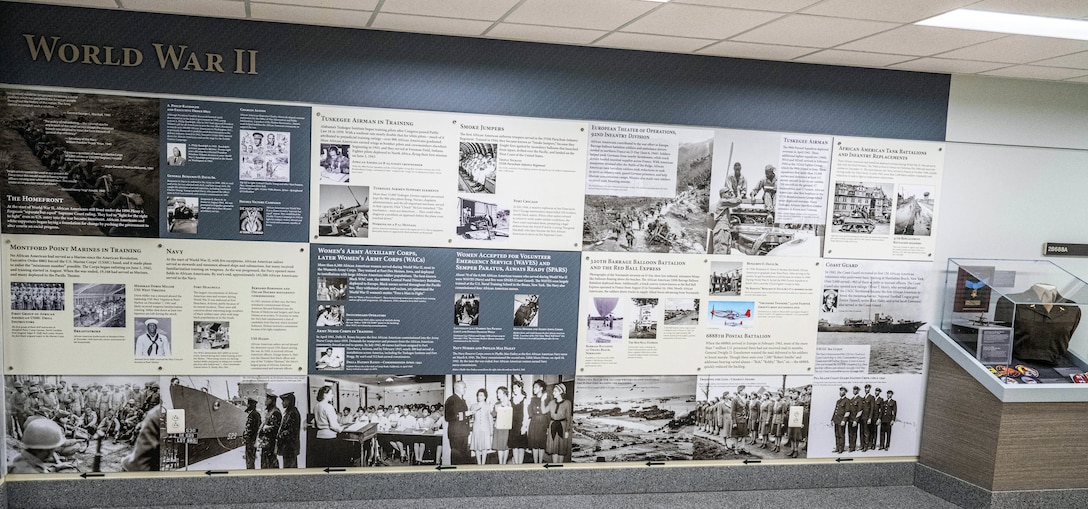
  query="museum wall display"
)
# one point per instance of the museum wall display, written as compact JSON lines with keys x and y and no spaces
{"x":626,"y":283}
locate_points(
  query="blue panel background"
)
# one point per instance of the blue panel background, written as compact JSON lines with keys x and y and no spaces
{"x":411,"y":71}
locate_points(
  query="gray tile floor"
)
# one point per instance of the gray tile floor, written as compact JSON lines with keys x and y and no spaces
{"x":892,"y":497}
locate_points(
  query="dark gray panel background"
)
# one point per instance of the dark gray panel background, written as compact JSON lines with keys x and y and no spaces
{"x":441,"y":73}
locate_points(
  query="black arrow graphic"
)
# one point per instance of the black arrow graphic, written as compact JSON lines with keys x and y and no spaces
{"x":445,"y":467}
{"x":552,"y":465}
{"x":654,"y":463}
{"x":215,"y":472}
{"x":747,"y":462}
{"x":840,"y":460}
{"x":330,"y":469}
{"x":92,"y":474}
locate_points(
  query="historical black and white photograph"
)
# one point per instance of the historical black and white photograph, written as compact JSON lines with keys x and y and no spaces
{"x":82,"y":424}
{"x":153,"y":337}
{"x":251,"y":220}
{"x":752,"y":417}
{"x":725,"y":278}
{"x":236,"y":423}
{"x":675,"y":224}
{"x":37,"y":296}
{"x":466,"y":309}
{"x":481,"y":220}
{"x":376,"y":421}
{"x":330,"y":315}
{"x":865,"y":416}
{"x":508,"y":419}
{"x":604,"y":325}
{"x":680,"y":311}
{"x":176,"y":154}
{"x":477,"y":167}
{"x":634,"y":418}
{"x":52,"y":145}
{"x":644,"y":315}
{"x":745,"y":203}
{"x":345,"y":211}
{"x":864,"y":208}
{"x":526,"y":309}
{"x":335,"y":162}
{"x":830,"y":300}
{"x":98,"y":305}
{"x":914,"y":209}
{"x":182,"y":214}
{"x":329,"y":358}
{"x":731,"y":313}
{"x":209,"y":335}
{"x":265,"y":156}
{"x":332,"y":288}
{"x":873,"y":314}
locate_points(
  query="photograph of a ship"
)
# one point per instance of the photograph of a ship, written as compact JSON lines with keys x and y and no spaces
{"x":216,"y":417}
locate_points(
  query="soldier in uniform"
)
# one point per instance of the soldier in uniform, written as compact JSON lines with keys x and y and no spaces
{"x":41,"y":437}
{"x":50,"y":405}
{"x":18,"y":409}
{"x":778,"y":420}
{"x":839,"y":418}
{"x":753,"y":419}
{"x":868,"y":418}
{"x":288,"y":440}
{"x":878,"y":410}
{"x":249,"y":433}
{"x":887,"y":418}
{"x":723,"y":229}
{"x":736,"y":182}
{"x":769,"y":185}
{"x":766,"y":415}
{"x":268,"y":432}
{"x":856,"y":418}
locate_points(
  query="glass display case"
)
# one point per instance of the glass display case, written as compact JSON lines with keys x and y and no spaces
{"x":1020,"y":318}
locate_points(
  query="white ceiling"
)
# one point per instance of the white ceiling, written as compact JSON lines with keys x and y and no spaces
{"x":861,"y":33}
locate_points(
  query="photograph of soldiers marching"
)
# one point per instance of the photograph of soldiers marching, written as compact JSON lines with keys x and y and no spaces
{"x":37,"y":296}
{"x":234,"y":423}
{"x":865,"y":416}
{"x":761,"y":417}
{"x":76,"y":424}
{"x":83,"y":173}
{"x":98,"y":305}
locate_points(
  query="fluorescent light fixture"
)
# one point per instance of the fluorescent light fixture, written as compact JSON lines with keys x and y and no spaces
{"x":658,"y":1}
{"x":986,"y":21}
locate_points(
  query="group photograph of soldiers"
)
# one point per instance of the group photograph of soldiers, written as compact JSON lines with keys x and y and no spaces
{"x":236,"y":423}
{"x":477,"y":170}
{"x":764,"y":417}
{"x":860,"y":417}
{"x":37,"y":296}
{"x":98,"y":305}
{"x":725,"y":278}
{"x":83,"y":183}
{"x":79,"y":424}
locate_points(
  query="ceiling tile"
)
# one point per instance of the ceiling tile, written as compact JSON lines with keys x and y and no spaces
{"x":698,"y":21}
{"x":538,"y":33}
{"x":1054,"y":8}
{"x":947,"y":66}
{"x":652,"y":42}
{"x":1018,"y":49}
{"x":469,"y":9}
{"x":429,"y":25}
{"x":1036,"y":72}
{"x":100,"y":4}
{"x":761,"y":5}
{"x":852,"y":58}
{"x":919,"y":40}
{"x":1075,"y":61}
{"x":210,"y":8}
{"x":759,"y":51}
{"x":596,"y":14}
{"x":886,"y":10}
{"x":308,"y":15}
{"x":814,"y":31}
{"x":353,"y":5}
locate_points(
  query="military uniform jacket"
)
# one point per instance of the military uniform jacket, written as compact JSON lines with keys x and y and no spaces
{"x":253,"y":425}
{"x":1038,"y":334}
{"x":890,"y":408}
{"x":856,"y":407}
{"x":267,"y":434}
{"x":842,"y":410}
{"x":287,"y":442}
{"x":868,"y":408}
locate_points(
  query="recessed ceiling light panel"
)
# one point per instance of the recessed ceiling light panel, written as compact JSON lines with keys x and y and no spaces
{"x":1021,"y":24}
